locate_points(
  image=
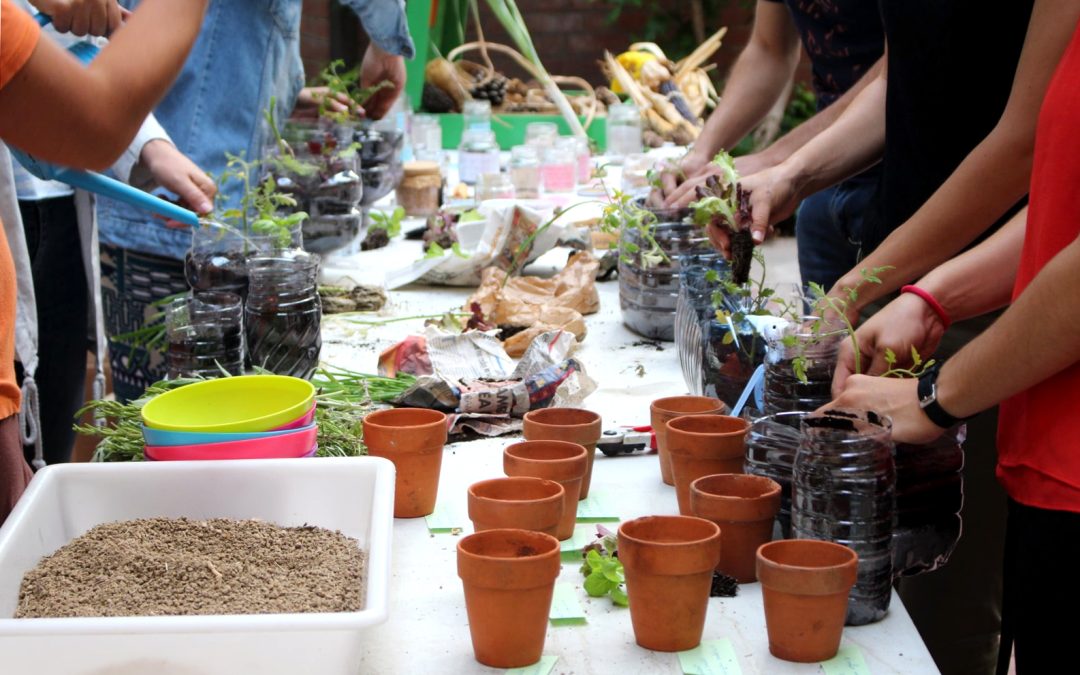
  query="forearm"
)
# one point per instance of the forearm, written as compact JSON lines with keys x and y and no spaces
{"x":789,"y":143}
{"x":385,"y":23}
{"x":1041,"y":329}
{"x":850,"y":145}
{"x":982,"y":279}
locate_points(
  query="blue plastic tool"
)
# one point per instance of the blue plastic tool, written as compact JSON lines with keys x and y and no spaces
{"x":95,"y":182}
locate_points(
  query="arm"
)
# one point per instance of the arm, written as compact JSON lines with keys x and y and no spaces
{"x":112,"y":95}
{"x":385,"y":23}
{"x":961,"y":286}
{"x":758,"y":78}
{"x":83,"y":17}
{"x":990,"y":180}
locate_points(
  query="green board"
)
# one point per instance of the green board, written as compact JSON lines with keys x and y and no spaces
{"x":509,"y":128}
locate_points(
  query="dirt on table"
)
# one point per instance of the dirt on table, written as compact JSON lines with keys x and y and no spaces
{"x":168,"y":566}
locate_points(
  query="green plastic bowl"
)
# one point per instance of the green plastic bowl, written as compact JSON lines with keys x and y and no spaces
{"x":231,"y":404}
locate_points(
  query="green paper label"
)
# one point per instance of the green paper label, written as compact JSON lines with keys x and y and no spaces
{"x":565,"y":608}
{"x":711,"y":657}
{"x":448,"y":518}
{"x":541,"y":667}
{"x":848,"y":661}
{"x":596,"y":508}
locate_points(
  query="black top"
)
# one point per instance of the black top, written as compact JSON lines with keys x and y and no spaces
{"x":843,"y":38}
{"x":951,"y":65}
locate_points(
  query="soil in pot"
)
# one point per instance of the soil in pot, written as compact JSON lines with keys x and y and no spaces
{"x":413,"y":439}
{"x":560,"y":461}
{"x":567,"y":424}
{"x":744,"y":507}
{"x":508,"y":576}
{"x":669,"y":563}
{"x":805,"y":585}
{"x":521,"y":502}
{"x":702,"y":445}
{"x":664,"y":409}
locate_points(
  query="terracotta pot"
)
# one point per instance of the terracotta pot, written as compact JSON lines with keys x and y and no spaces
{"x":567,"y":424}
{"x":413,"y":439}
{"x":559,"y":461}
{"x":509,"y":576}
{"x":669,"y":563}
{"x":805,"y":585}
{"x":523,"y":502}
{"x":703,"y":445}
{"x":745,"y":508}
{"x":664,"y":409}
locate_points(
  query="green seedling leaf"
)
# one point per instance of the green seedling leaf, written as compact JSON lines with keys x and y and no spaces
{"x":890,"y":357}
{"x":456,"y":250}
{"x":618,"y":596}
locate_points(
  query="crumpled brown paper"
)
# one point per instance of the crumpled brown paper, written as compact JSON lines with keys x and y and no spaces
{"x":540,"y":305}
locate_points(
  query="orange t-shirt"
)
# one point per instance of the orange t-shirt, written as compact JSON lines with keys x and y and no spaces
{"x":18,"y":37}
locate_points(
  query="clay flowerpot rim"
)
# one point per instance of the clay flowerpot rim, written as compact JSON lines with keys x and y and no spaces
{"x":739,"y":426}
{"x":572,"y":451}
{"x":586,"y":418}
{"x":553,"y":490}
{"x":646,"y":520}
{"x":849,"y":555}
{"x":525,"y":550}
{"x":405,"y":418}
{"x":760,"y":487}
{"x":703,"y":404}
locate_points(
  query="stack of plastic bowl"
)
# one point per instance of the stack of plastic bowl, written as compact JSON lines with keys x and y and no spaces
{"x":245,"y":417}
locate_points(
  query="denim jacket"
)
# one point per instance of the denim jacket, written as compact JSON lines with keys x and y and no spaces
{"x":247,"y":52}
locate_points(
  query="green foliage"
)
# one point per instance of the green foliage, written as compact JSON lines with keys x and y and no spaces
{"x":437,"y":251}
{"x":337,"y":81}
{"x":603,"y":572}
{"x":390,"y":222}
{"x":718,"y":201}
{"x":620,"y":213}
{"x":918,"y":366}
{"x":839,"y":305}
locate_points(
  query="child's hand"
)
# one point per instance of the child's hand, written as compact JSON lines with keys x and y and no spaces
{"x":83,"y":17}
{"x":176,"y":173}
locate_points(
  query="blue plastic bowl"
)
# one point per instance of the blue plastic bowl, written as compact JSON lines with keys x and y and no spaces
{"x":163,"y":437}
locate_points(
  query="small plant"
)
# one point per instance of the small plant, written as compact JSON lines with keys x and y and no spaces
{"x":260,"y":203}
{"x":918,"y":366}
{"x":391,"y":222}
{"x":839,"y":305}
{"x":723,"y":204}
{"x":603,"y":571}
{"x":622,"y":213}
{"x":339,"y":81}
{"x":437,"y":251}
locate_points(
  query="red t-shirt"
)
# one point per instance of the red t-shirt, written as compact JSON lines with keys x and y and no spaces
{"x":1038,"y":432}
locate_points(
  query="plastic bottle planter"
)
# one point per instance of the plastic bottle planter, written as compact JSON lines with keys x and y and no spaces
{"x":217,"y":259}
{"x":521,"y":502}
{"x":205,"y":335}
{"x":669,"y":563}
{"x":509,"y":578}
{"x":784,"y":391}
{"x":380,"y":154}
{"x":562,"y":462}
{"x":702,"y":445}
{"x":844,"y":491}
{"x":804,"y":586}
{"x":729,"y":362}
{"x":771,"y":445}
{"x":648,"y":294}
{"x":283,"y":313}
{"x":413,"y":439}
{"x":574,"y":425}
{"x":664,"y":409}
{"x":929,"y":496}
{"x":693,"y":310}
{"x":744,"y":507}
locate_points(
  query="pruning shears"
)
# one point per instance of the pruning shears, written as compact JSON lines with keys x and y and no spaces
{"x":627,"y":441}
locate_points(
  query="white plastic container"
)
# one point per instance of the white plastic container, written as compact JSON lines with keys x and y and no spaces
{"x":353,"y":495}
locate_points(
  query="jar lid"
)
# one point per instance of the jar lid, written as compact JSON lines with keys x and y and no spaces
{"x":420,"y":168}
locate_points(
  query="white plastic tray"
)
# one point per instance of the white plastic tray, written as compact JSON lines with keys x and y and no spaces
{"x":353,"y":495}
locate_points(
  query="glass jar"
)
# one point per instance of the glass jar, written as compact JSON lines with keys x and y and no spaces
{"x":479,"y":153}
{"x":816,"y":342}
{"x":635,"y":173}
{"x":420,"y":189}
{"x":623,"y":130}
{"x":844,"y":491}
{"x":494,"y":186}
{"x":476,"y":115}
{"x":426,"y":137}
{"x":579,"y":150}
{"x":283,"y":312}
{"x":559,"y":170}
{"x":525,"y":171}
{"x":204,"y":336}
{"x":541,"y":135}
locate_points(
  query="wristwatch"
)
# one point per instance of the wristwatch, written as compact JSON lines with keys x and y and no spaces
{"x":927,"y":391}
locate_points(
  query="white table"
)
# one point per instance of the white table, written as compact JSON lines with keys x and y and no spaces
{"x":427,"y":631}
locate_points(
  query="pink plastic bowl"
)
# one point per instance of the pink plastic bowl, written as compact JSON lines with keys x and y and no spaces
{"x":303,"y":421}
{"x":296,"y":444}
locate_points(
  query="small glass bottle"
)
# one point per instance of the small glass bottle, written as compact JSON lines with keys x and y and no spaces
{"x":541,"y":134}
{"x":525,"y":171}
{"x":559,"y":171}
{"x":420,"y":190}
{"x":579,"y":150}
{"x":426,"y":137}
{"x":479,"y":153}
{"x":477,"y":115}
{"x":494,"y":186}
{"x":623,"y":130}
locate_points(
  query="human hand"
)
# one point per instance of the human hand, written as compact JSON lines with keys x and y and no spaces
{"x":675,"y":174}
{"x":175,"y":172}
{"x":747,"y":165}
{"x":83,"y":17}
{"x":774,"y":194}
{"x":894,"y":397}
{"x":311,"y":100}
{"x":905,"y":323}
{"x":376,"y":67}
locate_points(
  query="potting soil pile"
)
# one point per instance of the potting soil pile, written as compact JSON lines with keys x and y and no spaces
{"x":166,"y":566}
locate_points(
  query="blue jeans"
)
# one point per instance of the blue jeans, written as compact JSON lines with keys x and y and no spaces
{"x":829,"y":229}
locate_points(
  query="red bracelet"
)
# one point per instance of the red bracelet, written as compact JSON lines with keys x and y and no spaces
{"x":932,"y":301}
